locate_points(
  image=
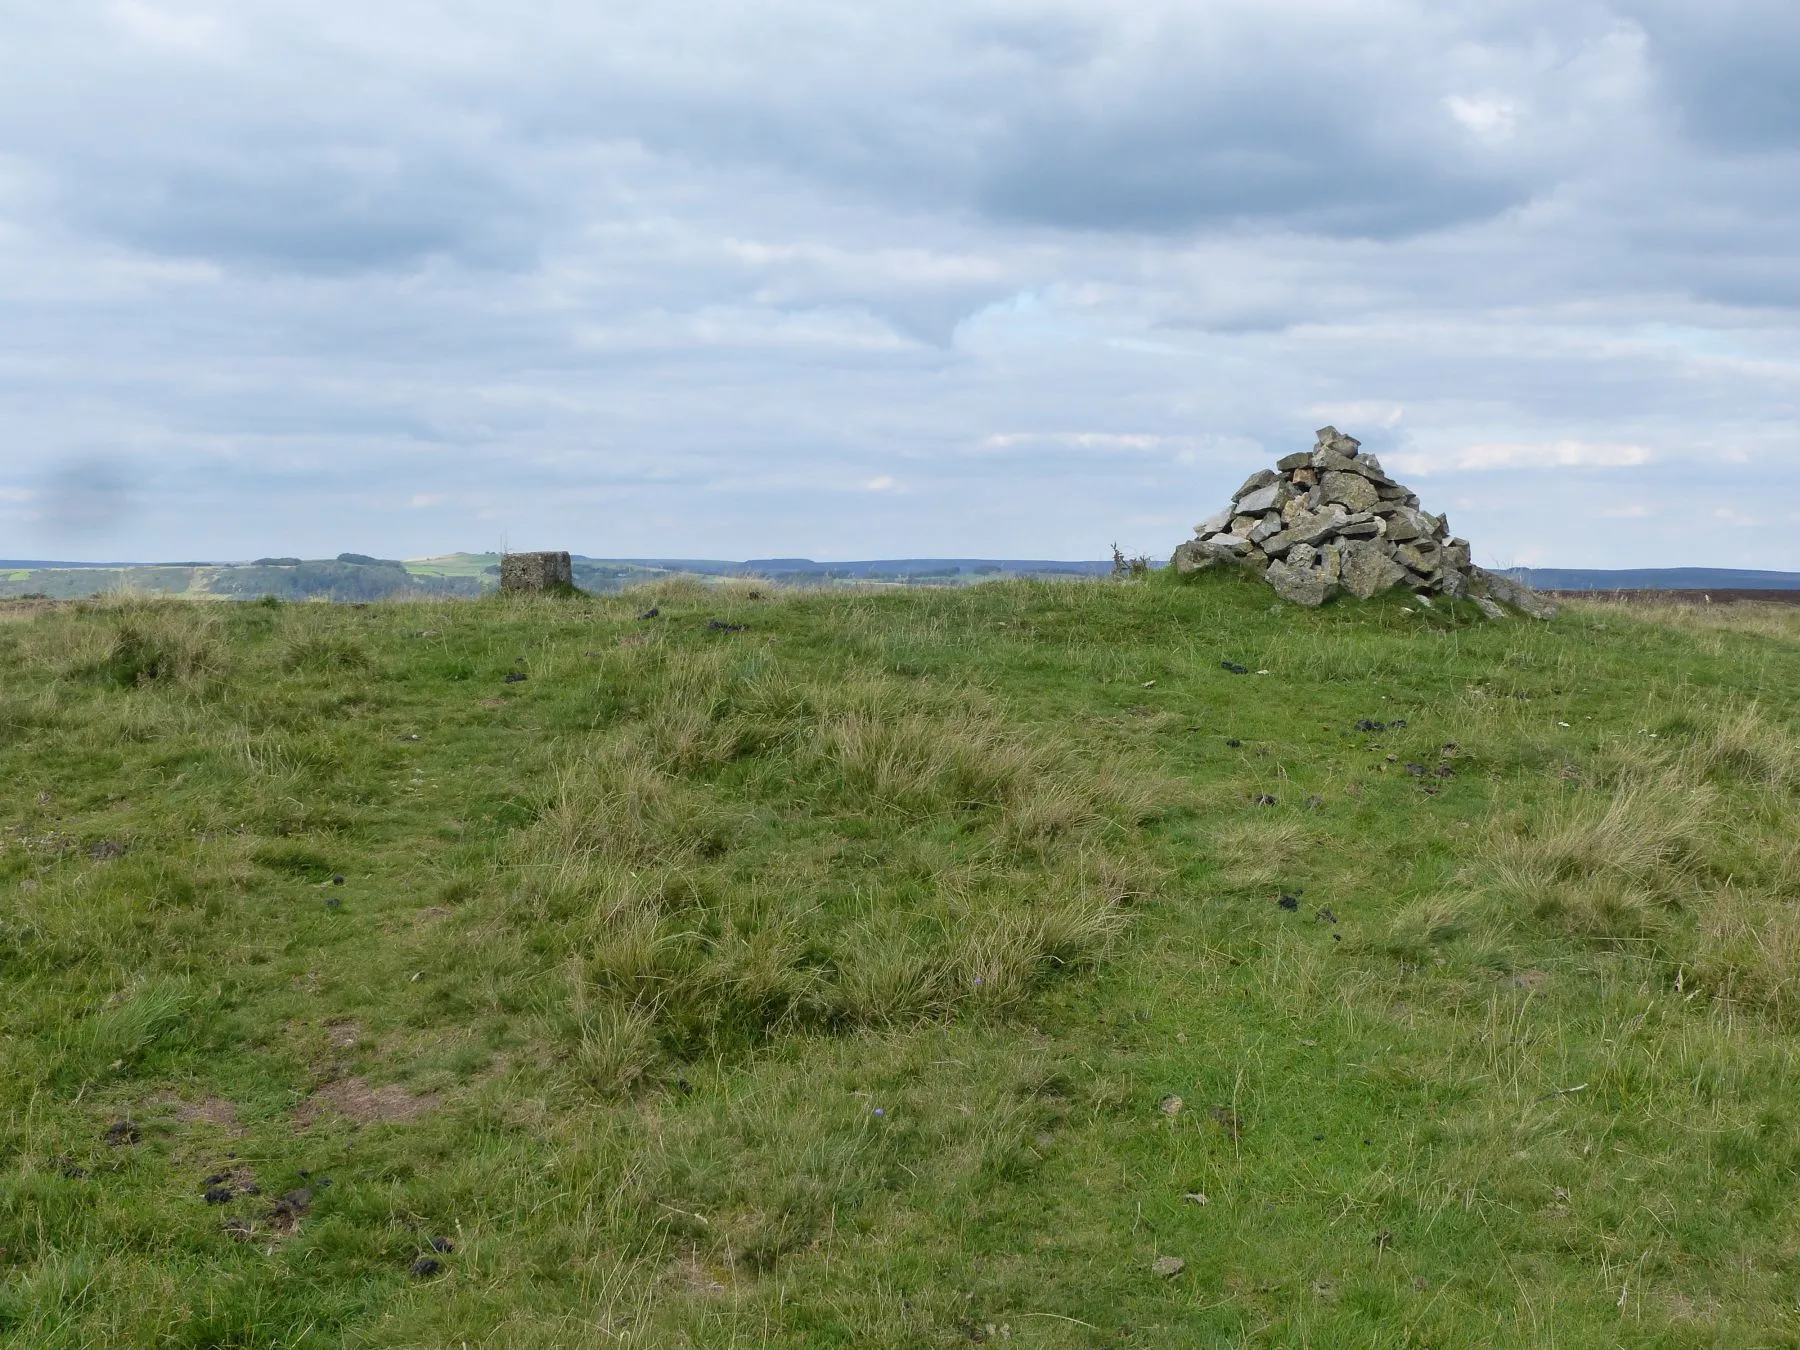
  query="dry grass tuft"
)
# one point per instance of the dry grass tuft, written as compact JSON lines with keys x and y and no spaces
{"x":983,"y":861}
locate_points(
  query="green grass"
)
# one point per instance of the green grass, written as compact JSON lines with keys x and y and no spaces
{"x":898,"y":970}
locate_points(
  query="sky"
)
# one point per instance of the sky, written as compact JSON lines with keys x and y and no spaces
{"x":985,"y":278}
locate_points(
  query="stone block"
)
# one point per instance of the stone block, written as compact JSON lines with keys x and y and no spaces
{"x":1266,"y":498}
{"x":1521,"y":597}
{"x":1403,"y":523}
{"x":1194,"y":556}
{"x":1300,"y":585}
{"x":1261,"y":478}
{"x":1367,"y":569}
{"x":1352,"y":489}
{"x":535,"y":571}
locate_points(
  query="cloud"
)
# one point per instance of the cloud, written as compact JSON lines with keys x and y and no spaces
{"x":1496,"y":455}
{"x":1114,"y":441}
{"x":681,"y":278}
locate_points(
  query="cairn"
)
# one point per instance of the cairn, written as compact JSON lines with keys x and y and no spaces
{"x":1329,"y":520}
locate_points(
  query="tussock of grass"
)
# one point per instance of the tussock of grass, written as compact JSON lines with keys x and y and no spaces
{"x":1678,"y":848}
{"x":984,"y":861}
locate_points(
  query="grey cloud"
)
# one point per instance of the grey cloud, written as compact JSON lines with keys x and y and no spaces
{"x":1729,"y":67}
{"x":686,"y":279}
{"x":312,"y":208}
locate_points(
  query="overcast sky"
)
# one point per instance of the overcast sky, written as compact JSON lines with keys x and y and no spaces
{"x":998,"y":278}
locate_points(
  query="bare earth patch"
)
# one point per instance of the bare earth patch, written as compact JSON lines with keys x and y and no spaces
{"x":215,"y":1111}
{"x":355,"y":1100}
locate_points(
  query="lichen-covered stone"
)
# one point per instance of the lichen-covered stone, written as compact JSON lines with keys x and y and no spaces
{"x":1261,"y":478}
{"x":535,"y":571}
{"x":1193,"y":556}
{"x":1495,"y":586}
{"x":1266,"y":498}
{"x":1367,"y":570}
{"x":1351,"y":489}
{"x":1300,"y":585}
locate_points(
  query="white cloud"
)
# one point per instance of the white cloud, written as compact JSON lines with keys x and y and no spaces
{"x":1082,"y":440}
{"x":882,"y":482}
{"x":1494,"y":455}
{"x":1488,"y":119}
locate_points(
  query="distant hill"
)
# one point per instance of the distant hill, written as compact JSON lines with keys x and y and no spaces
{"x":363,"y":577}
{"x":1655,"y":579}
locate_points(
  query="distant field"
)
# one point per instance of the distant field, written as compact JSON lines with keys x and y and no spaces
{"x":915,"y":967}
{"x":356,"y":577}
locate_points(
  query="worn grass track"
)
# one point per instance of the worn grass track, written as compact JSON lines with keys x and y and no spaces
{"x":898,"y":969}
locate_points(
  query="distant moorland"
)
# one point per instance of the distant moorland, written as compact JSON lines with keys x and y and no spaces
{"x":359,"y":577}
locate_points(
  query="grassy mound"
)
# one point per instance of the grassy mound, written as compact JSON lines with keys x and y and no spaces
{"x":899,"y":969}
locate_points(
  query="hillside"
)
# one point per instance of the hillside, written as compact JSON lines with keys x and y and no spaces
{"x":356,"y":577}
{"x":1138,"y":963}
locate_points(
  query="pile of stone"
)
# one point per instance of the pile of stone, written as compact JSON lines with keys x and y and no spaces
{"x":1329,"y":520}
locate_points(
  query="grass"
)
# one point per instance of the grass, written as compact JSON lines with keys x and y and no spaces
{"x":912,"y":968}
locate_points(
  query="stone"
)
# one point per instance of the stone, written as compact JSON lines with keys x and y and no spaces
{"x":1194,"y":556}
{"x":1268,"y":525}
{"x":1242,"y":525}
{"x":1495,"y":586}
{"x":1360,"y":529}
{"x":1456,"y":554}
{"x":1302,"y":555}
{"x":1213,"y":524}
{"x":1395,"y":492}
{"x":1403,"y":523}
{"x":1367,"y":569}
{"x":1331,"y":563}
{"x":1298,"y":460}
{"x":1352,"y":489}
{"x":1312,"y":528}
{"x":1261,"y":478}
{"x":1304,"y":477}
{"x":1330,"y":461}
{"x":1267,"y":498}
{"x":1330,"y":438}
{"x":1489,"y":608}
{"x":1229,"y":543}
{"x":535,"y":571}
{"x":1420,"y":557}
{"x":1300,"y":585}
